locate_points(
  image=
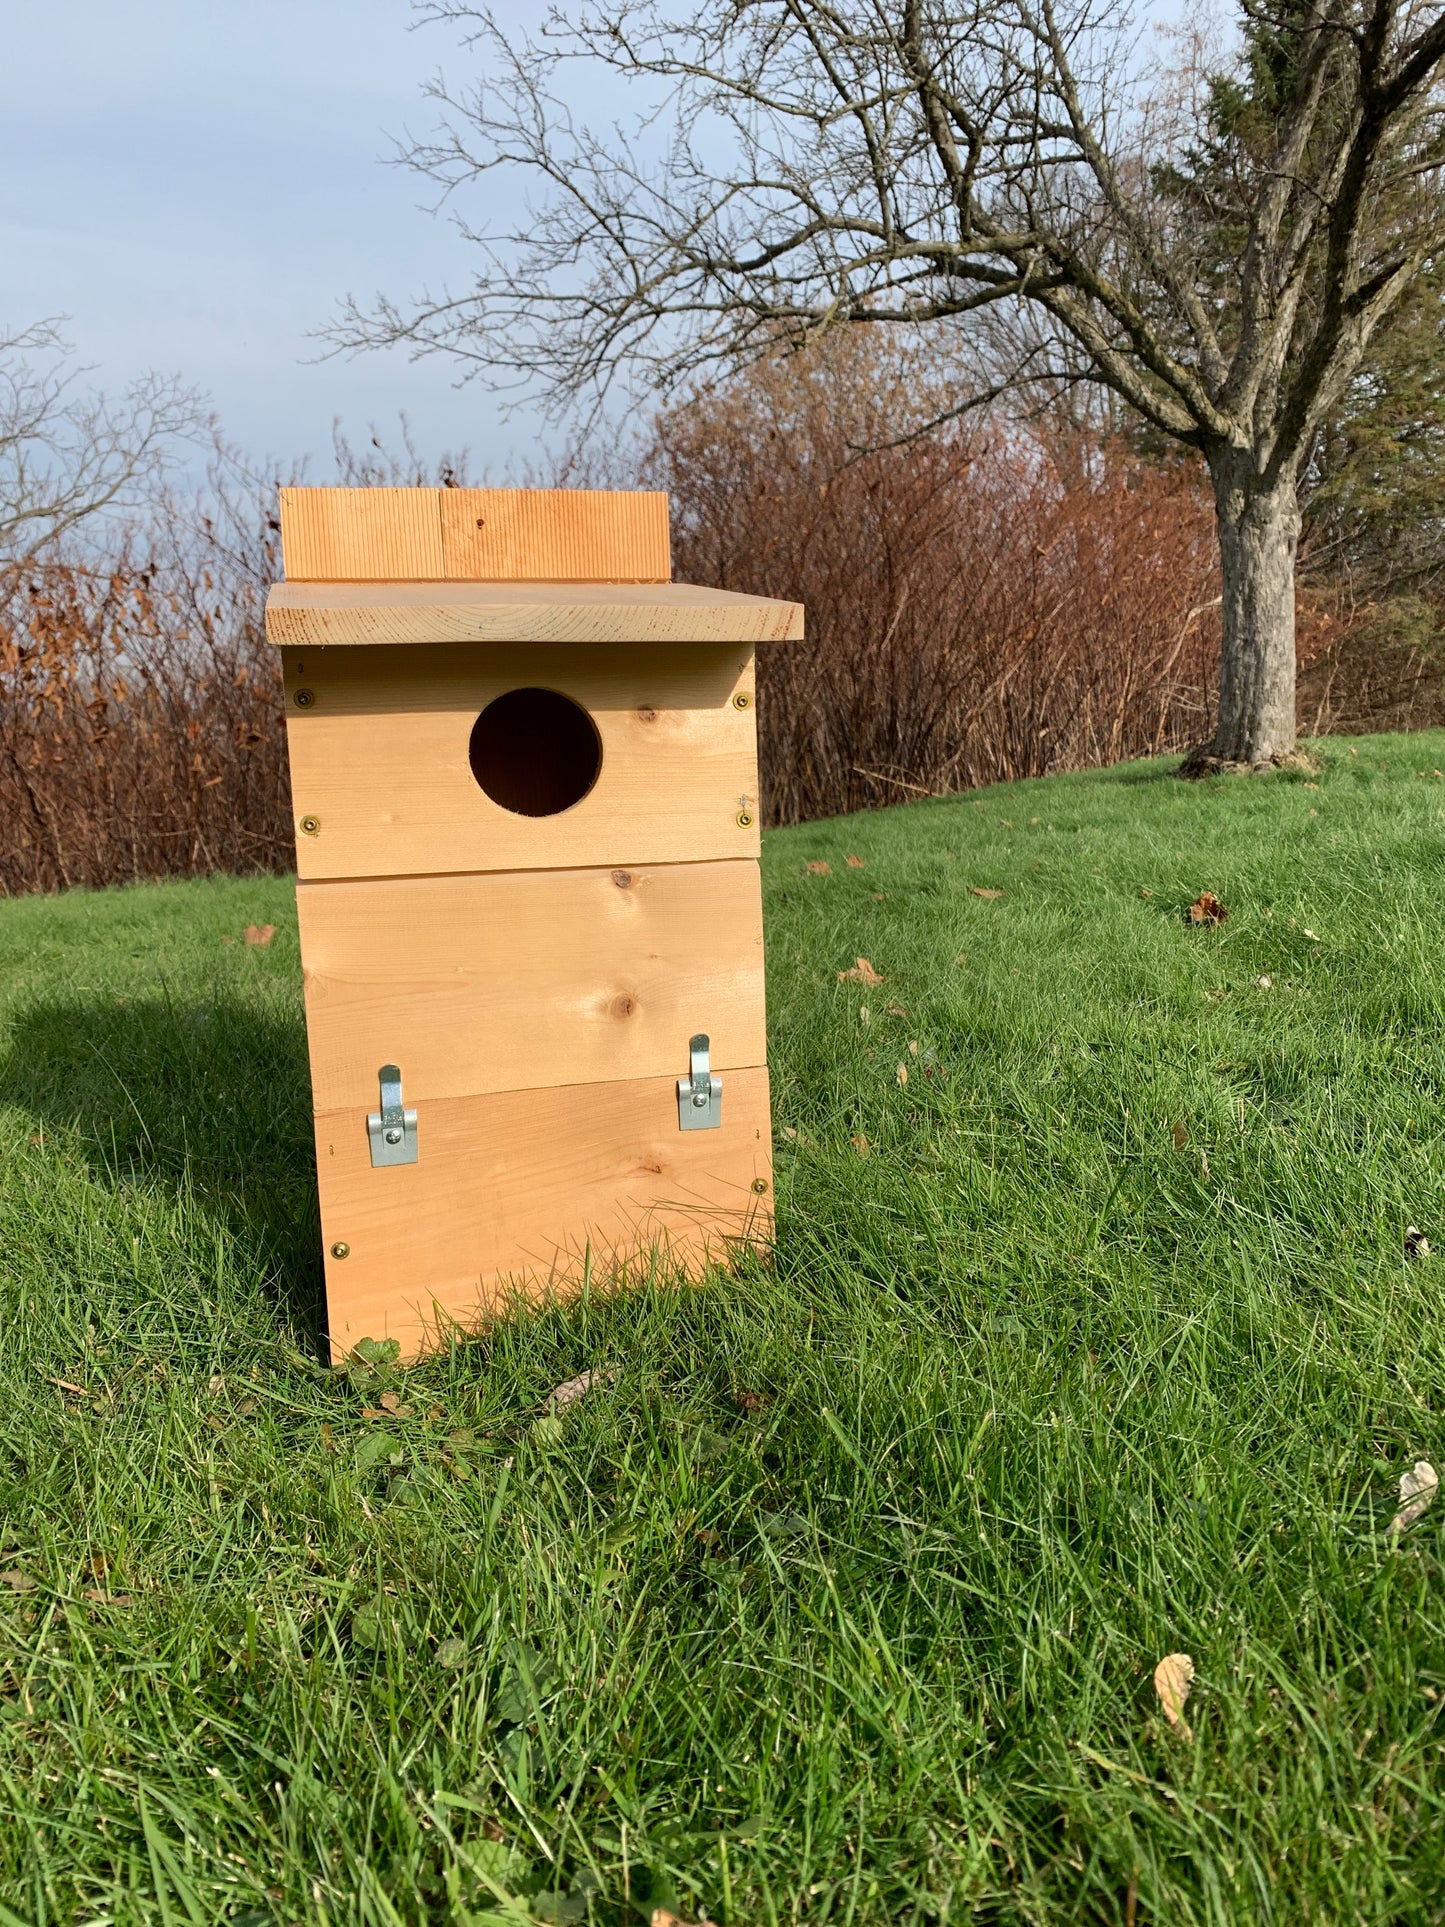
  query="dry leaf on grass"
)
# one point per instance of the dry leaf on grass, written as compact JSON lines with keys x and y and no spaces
{"x":1417,"y":1488}
{"x":17,"y":1581}
{"x":861,"y":973}
{"x":1181,"y":1134}
{"x":820,"y":869}
{"x":902,"y":1073}
{"x":1173,"y":1677}
{"x":662,"y":1918}
{"x":571,"y":1389}
{"x":1417,"y":1245}
{"x":977,"y":892}
{"x":1206,"y":908}
{"x":855,"y":863}
{"x":897,"y":1010}
{"x":860,"y":1144}
{"x":258,"y":935}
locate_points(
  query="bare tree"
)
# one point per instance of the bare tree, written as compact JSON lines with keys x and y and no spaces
{"x":67,"y":453}
{"x":796,"y":165}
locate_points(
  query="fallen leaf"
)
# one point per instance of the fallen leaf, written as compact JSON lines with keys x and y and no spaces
{"x":876,"y":898}
{"x":1310,"y":786}
{"x":1417,"y":1245}
{"x":860,"y":1144}
{"x":1417,"y":1488}
{"x":902,"y":1073}
{"x":976,"y":891}
{"x":661,"y":1917}
{"x":17,"y":1581}
{"x":819,"y":869}
{"x":1146,"y":893}
{"x":855,"y":863}
{"x":571,"y":1389}
{"x":1181,"y":1135}
{"x":897,"y":1010}
{"x":861,"y":973}
{"x":865,"y":1015}
{"x":1314,"y":812}
{"x":451,"y":1652}
{"x":258,"y":935}
{"x":1264,"y":983}
{"x":1313,"y":937}
{"x":1173,"y":1677}
{"x":751,"y":1402}
{"x":1206,"y":908}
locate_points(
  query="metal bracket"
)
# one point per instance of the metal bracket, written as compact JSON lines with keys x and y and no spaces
{"x":699,"y":1097}
{"x":392,"y":1129}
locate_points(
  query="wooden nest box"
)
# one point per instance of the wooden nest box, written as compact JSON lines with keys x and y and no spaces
{"x":524,"y":777}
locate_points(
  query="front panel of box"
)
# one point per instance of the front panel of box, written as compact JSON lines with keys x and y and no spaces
{"x":529,"y":1192}
{"x":527,"y":978}
{"x":460,"y":757}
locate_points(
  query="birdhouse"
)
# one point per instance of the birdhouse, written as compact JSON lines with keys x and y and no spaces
{"x":524,"y":776}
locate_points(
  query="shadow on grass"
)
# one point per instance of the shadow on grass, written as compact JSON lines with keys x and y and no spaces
{"x":210,"y":1099}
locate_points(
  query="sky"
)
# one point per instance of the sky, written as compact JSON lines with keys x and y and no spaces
{"x":195,"y":183}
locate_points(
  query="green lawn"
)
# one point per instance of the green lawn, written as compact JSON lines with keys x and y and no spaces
{"x":1093,"y":1341}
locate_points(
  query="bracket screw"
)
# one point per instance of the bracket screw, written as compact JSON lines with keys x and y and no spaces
{"x":341,"y":1250}
{"x":742,"y":700}
{"x":745,"y":819}
{"x":311,"y":826}
{"x":305,"y":698}
{"x":760,"y":1185}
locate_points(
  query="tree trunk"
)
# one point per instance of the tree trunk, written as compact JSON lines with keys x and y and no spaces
{"x":1258,"y":534}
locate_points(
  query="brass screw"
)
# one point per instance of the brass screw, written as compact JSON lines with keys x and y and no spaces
{"x":745,"y":819}
{"x":311,"y":826}
{"x":742,"y":699}
{"x":305,"y":698}
{"x":760,"y":1185}
{"x":341,"y":1249}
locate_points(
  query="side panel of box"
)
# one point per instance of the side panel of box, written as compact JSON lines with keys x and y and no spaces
{"x":522,"y":1191}
{"x":381,"y":775}
{"x":525,"y":978}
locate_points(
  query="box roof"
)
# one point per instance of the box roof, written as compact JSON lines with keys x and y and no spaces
{"x":325,"y":613}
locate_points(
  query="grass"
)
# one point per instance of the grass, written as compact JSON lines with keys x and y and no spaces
{"x":1093,"y":1341}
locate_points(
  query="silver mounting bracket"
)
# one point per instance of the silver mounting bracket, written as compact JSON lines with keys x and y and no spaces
{"x":699,"y":1096}
{"x":392,"y":1129}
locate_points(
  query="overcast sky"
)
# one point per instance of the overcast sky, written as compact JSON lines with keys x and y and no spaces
{"x":195,"y":184}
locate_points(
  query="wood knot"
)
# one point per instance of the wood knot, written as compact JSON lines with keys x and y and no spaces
{"x":646,"y":713}
{"x":623,"y":879}
{"x":624,"y":1005}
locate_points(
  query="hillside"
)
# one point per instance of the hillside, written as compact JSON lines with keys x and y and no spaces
{"x":1092,"y":1336}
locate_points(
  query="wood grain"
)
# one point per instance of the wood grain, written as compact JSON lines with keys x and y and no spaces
{"x":418,"y":613}
{"x":379,"y":758}
{"x":471,"y":534}
{"x":521,"y":1192}
{"x":478,"y":984}
{"x":555,"y":535}
{"x":360,"y":534}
